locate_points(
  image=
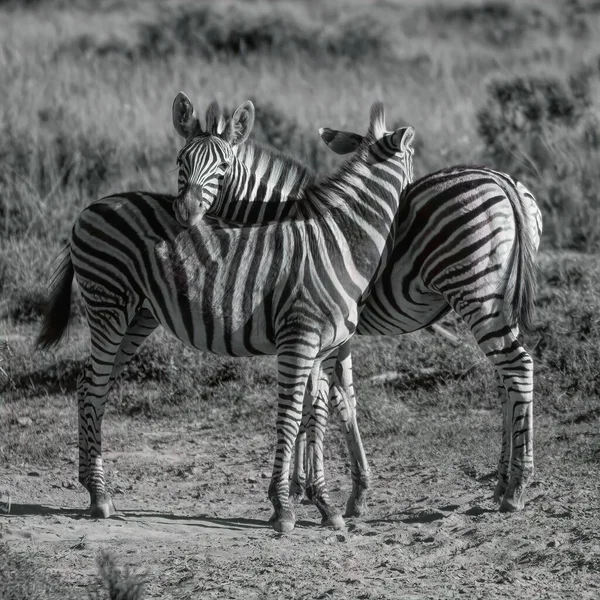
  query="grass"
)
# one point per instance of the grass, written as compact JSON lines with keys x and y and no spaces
{"x":23,"y":579}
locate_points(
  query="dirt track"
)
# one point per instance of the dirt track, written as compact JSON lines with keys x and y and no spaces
{"x":193,"y":516}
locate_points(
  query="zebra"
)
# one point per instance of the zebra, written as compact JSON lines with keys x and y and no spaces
{"x":290,"y":288}
{"x":466,"y":240}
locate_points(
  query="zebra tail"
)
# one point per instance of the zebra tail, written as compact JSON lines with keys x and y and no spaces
{"x":524,"y":265}
{"x":57,"y":312}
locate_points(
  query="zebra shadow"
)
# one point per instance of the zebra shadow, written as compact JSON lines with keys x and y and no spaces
{"x":30,"y":510}
{"x":143,"y":516}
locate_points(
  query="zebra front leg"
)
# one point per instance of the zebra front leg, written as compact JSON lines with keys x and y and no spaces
{"x":294,"y":364}
{"x":316,"y":490}
{"x":343,"y":401}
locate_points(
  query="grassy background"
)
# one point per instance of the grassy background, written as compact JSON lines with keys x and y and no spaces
{"x":86,"y":96}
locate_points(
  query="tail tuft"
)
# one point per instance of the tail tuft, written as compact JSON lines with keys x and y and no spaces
{"x":57,"y":312}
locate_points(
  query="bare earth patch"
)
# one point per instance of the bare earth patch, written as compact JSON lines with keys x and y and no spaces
{"x":193,"y":518}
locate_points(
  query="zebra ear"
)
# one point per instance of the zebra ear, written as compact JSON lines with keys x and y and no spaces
{"x":238,"y":127}
{"x":341,"y":142}
{"x":185,"y":120}
{"x":402,"y":138}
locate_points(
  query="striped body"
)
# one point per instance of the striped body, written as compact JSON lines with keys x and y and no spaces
{"x":454,"y":243}
{"x":217,"y":288}
{"x":290,"y":288}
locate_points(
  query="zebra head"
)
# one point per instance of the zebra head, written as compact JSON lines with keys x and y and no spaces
{"x":207,"y":155}
{"x":378,"y":145}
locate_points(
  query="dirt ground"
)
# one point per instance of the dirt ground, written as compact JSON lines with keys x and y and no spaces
{"x":193,"y":517}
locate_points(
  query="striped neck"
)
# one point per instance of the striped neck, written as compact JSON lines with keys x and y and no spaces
{"x":262,"y":185}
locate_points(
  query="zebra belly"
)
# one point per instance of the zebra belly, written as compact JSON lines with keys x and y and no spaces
{"x":215,"y":332}
{"x":398,"y":305}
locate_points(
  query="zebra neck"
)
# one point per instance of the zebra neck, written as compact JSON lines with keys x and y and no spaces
{"x":261,"y":184}
{"x":363,"y":197}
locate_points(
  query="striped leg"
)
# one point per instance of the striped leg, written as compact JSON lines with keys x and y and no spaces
{"x":504,"y":462}
{"x":111,"y":352}
{"x":514,"y":369}
{"x":316,"y":490}
{"x":295,"y":360}
{"x":343,"y":400}
{"x":298,"y":480}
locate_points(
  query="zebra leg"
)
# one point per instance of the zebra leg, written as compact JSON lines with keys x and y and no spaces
{"x":315,"y":489}
{"x":515,"y":370}
{"x":343,"y":401}
{"x":504,"y":462}
{"x":518,"y":382}
{"x":298,"y":480}
{"x":93,"y":388}
{"x":295,"y":361}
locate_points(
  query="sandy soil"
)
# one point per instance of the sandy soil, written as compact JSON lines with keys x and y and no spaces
{"x":193,"y":517}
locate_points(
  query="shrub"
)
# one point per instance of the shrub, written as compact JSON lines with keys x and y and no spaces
{"x":239,"y":30}
{"x":495,"y":22}
{"x":115,"y":583}
{"x":541,"y":129}
{"x":525,"y":107}
{"x":36,"y":166}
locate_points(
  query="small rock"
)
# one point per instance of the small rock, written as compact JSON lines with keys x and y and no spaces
{"x":33,"y":474}
{"x":264,"y":476}
{"x":553,"y":543}
{"x":24,"y":421}
{"x":252,"y":480}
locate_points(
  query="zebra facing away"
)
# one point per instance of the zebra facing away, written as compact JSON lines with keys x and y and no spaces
{"x":466,"y":239}
{"x":290,"y":288}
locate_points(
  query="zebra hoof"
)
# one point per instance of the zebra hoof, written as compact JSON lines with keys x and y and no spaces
{"x":511,"y":505}
{"x":283,"y":525}
{"x":513,"y":500}
{"x":499,"y":491}
{"x":355,"y":508}
{"x":335,"y":522}
{"x":103,"y":507}
{"x":283,"y":522}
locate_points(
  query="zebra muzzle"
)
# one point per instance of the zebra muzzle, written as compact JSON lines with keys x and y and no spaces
{"x":188,"y":209}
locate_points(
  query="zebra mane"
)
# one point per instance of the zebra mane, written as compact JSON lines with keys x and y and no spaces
{"x":256,"y":155}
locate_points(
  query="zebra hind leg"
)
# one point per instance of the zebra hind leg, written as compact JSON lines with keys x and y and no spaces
{"x":316,"y":489}
{"x":514,"y":369}
{"x":111,"y":352}
{"x":343,"y":401}
{"x":504,"y":462}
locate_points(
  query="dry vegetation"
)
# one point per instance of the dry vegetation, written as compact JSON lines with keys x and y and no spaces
{"x":86,"y":95}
